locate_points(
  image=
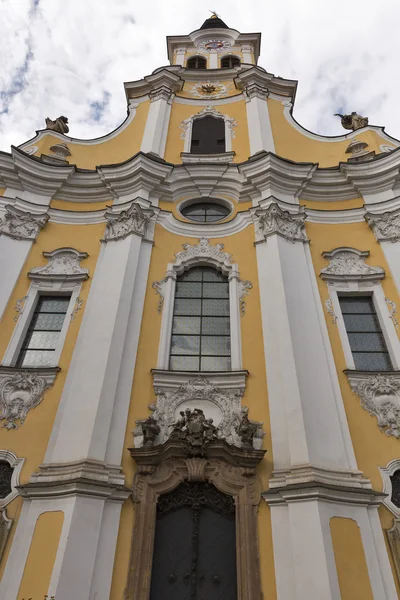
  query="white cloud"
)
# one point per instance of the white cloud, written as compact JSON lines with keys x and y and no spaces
{"x":72,"y":57}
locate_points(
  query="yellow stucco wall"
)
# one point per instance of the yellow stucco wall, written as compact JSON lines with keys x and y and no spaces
{"x":42,"y":554}
{"x":242,"y":248}
{"x":350,"y":560}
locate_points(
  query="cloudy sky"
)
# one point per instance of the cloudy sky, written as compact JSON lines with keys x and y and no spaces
{"x":70,"y":57}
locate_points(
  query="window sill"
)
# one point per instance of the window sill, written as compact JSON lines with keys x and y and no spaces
{"x":22,"y":389}
{"x":223,"y":157}
{"x":173,"y":380}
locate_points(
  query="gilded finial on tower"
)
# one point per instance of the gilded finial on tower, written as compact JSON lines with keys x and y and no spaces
{"x":214,"y":14}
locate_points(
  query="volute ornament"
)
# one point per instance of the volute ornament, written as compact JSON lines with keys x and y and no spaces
{"x":60,"y":124}
{"x":274,"y":220}
{"x":19,"y":393}
{"x":386,"y":226}
{"x":132,"y":220}
{"x":353,"y":121}
{"x":20,"y":225}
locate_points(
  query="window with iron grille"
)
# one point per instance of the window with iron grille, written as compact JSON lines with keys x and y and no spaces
{"x":201,"y":324}
{"x":44,"y":329}
{"x":365,"y":335}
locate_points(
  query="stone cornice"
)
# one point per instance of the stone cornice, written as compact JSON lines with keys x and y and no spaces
{"x":163,"y":78}
{"x":257,"y":78}
{"x":321,"y":491}
{"x":260,"y":177}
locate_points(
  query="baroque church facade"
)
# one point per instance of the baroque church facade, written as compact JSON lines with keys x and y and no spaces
{"x":199,"y":339}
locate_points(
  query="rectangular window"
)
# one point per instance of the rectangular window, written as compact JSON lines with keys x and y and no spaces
{"x":365,"y":334}
{"x":201,"y":324}
{"x":43,"y":333}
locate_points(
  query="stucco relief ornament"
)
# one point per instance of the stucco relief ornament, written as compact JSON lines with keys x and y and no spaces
{"x":385,"y":226}
{"x":63,"y":263}
{"x":159,"y":286}
{"x":132,"y":220}
{"x":349,"y":263}
{"x":207,"y":111}
{"x":203,"y":249}
{"x":20,"y":393}
{"x":20,"y":225}
{"x":274,"y":220}
{"x":380,"y":396}
{"x":353,"y":121}
{"x":209,"y":89}
{"x":244,"y":288}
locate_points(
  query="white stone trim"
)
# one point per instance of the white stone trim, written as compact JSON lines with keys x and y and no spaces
{"x":201,"y":254}
{"x":216,"y":102}
{"x":209,"y":230}
{"x":156,"y":129}
{"x":16,"y":464}
{"x":46,"y":284}
{"x":259,"y":124}
{"x":386,"y":473}
{"x":223,"y":157}
{"x":208,"y":111}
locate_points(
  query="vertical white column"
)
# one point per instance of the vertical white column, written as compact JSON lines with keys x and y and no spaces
{"x":18,"y":231}
{"x":259,"y":124}
{"x":213,"y":59}
{"x":386,"y":227}
{"x":234,"y":311}
{"x":180,"y":56}
{"x":247,"y":50}
{"x":155,"y":133}
{"x":168,"y":292}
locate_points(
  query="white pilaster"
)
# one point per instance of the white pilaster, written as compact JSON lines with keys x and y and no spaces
{"x":213,"y":59}
{"x":386,"y":227}
{"x":180,"y":54}
{"x":155,"y":133}
{"x":247,"y":50}
{"x":259,"y":124}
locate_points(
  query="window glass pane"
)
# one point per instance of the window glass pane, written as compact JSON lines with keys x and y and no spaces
{"x":369,"y":361}
{"x":188,"y":289}
{"x":215,"y":326}
{"x":216,"y":307}
{"x":353,"y":304}
{"x":213,"y":275}
{"x":215,"y":346}
{"x":184,"y":363}
{"x":206,"y":211}
{"x":53,"y":304}
{"x":361,"y":323}
{"x":47,"y":322}
{"x":200,"y":218}
{"x":187,"y":307}
{"x":191,"y":275}
{"x":186,"y":325}
{"x":215,"y":363}
{"x":367,"y":342}
{"x":185,"y":344}
{"x":36,"y":358}
{"x":41,"y":339}
{"x":215,"y":290}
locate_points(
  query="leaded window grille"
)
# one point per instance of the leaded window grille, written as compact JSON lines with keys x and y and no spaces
{"x":6,"y":472}
{"x":40,"y":343}
{"x":201,"y":323}
{"x":365,"y":335}
{"x":205,"y":212}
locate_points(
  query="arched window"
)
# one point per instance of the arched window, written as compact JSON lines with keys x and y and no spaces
{"x":230,"y":61}
{"x":201,"y":324}
{"x":208,"y":136}
{"x":196,"y":62}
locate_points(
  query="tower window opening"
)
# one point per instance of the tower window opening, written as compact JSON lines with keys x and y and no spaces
{"x":208,"y":136}
{"x":197,"y":62}
{"x":230,"y":61}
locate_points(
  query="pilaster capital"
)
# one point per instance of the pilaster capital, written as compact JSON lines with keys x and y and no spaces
{"x":133,"y":220}
{"x":162,"y":93}
{"x":254,"y":90}
{"x":20,"y":225}
{"x":274,"y":220}
{"x":386,"y":226}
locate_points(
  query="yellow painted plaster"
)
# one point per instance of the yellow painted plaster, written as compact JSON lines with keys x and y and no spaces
{"x":42,"y":555}
{"x":242,"y":248}
{"x":180,"y":112}
{"x":187,"y":92}
{"x":350,"y":560}
{"x":334,"y":204}
{"x":104,"y":151}
{"x":2,"y":190}
{"x":69,"y":205}
{"x":296,"y":146}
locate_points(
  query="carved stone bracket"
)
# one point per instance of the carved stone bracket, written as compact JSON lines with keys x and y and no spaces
{"x":380,"y":396}
{"x":133,"y":220}
{"x":20,"y":225}
{"x":386,"y":226}
{"x":224,"y":406}
{"x":231,"y":470}
{"x":393,"y":535}
{"x":63,"y":264}
{"x":20,"y":391}
{"x":275,"y":221}
{"x":348,"y":264}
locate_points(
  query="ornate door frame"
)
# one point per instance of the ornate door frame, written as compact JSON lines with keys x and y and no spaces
{"x":160,"y":470}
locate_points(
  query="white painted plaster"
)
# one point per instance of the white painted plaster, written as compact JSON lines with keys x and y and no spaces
{"x":259,"y":125}
{"x":14,"y":254}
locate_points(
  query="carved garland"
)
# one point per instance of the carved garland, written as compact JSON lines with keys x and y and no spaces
{"x":385,"y":226}
{"x":349,"y":264}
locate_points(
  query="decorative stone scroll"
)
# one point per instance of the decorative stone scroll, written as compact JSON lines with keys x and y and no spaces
{"x":127,"y":222}
{"x":20,"y":225}
{"x":203,"y":250}
{"x":386,"y":226}
{"x":349,"y":264}
{"x":380,"y":396}
{"x":63,"y":264}
{"x":222,"y":405}
{"x":20,"y":391}
{"x":393,"y":535}
{"x":274,"y":220}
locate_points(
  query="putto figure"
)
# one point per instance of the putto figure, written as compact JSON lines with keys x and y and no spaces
{"x":193,"y":428}
{"x":60,"y":125}
{"x":150,"y":430}
{"x":353,"y":121}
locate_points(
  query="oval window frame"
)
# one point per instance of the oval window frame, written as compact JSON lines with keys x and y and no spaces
{"x":221,"y":202}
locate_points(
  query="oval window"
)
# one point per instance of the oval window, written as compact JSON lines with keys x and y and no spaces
{"x":205,"y":212}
